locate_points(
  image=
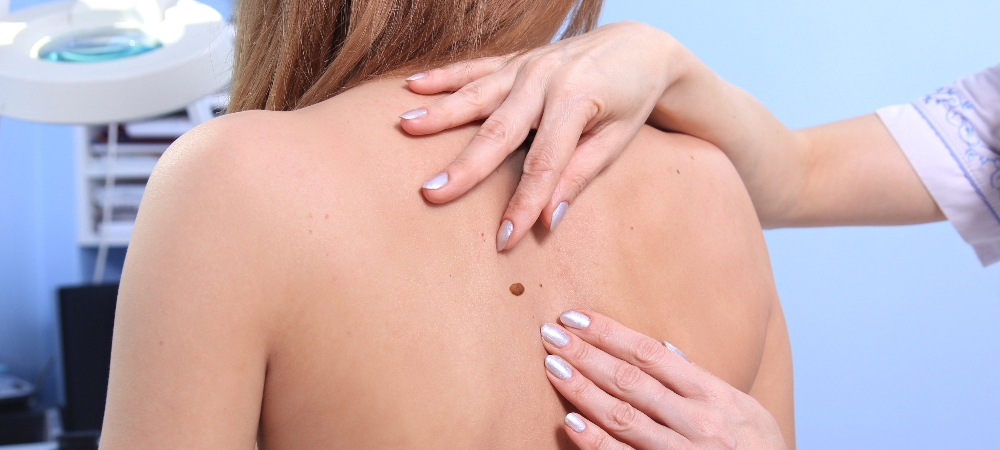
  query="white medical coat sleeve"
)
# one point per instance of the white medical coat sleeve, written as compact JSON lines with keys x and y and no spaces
{"x":952,"y":139}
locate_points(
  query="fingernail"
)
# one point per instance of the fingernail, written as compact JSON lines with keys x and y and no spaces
{"x":416,"y":76}
{"x":553,"y":335}
{"x":558,"y":367}
{"x":676,"y":350}
{"x":557,"y":215}
{"x":434,"y":183}
{"x":575,"y":319}
{"x":575,"y":422}
{"x":506,"y":228}
{"x":413,"y":114}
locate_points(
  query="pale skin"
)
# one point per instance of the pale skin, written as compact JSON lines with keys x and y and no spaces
{"x":587,"y":95}
{"x":287,"y":283}
{"x":845,"y":173}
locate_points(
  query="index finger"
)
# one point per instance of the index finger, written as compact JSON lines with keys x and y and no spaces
{"x":644,"y":352}
{"x":452,"y":77}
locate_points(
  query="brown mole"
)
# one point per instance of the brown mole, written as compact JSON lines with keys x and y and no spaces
{"x":517,"y":289}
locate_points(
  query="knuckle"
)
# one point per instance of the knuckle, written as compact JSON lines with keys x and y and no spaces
{"x":576,"y":182}
{"x":622,"y":417}
{"x":704,"y":424}
{"x":465,"y":70}
{"x":647,"y":352}
{"x":495,"y":131}
{"x":603,"y":333}
{"x":627,"y":378}
{"x":601,"y":441}
{"x":580,"y":352}
{"x":474,"y":94}
{"x":540,"y":66}
{"x":578,"y":389}
{"x":711,"y":427}
{"x":541,"y":160}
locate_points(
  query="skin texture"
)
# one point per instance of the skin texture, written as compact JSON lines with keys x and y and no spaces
{"x":588,"y":95}
{"x":624,"y":74}
{"x":286,"y":281}
{"x":639,"y":393}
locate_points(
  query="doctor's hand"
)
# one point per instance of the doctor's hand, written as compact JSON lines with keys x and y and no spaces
{"x":635,"y":392}
{"x":587,"y":96}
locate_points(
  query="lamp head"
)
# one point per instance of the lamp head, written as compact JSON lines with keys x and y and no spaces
{"x":101,"y":61}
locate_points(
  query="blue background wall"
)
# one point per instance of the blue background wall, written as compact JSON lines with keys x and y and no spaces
{"x":895,"y":331}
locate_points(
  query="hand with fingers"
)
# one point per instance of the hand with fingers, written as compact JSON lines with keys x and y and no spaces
{"x":635,"y":392}
{"x":587,"y":96}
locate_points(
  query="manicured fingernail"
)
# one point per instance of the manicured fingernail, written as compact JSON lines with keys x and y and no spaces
{"x":506,"y":228}
{"x":435,"y":183}
{"x":676,"y":350}
{"x":553,"y":335}
{"x":558,"y":367}
{"x":416,"y":76}
{"x":557,"y":215}
{"x":413,"y":114}
{"x":575,"y":319}
{"x":575,"y":422}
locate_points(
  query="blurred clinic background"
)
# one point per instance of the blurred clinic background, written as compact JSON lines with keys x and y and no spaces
{"x":895,"y":331}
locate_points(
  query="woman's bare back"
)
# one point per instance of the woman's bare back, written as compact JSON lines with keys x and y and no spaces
{"x":287,"y":274}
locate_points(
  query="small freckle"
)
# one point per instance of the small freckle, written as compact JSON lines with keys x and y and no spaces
{"x":310,"y":231}
{"x":161,"y":343}
{"x":678,"y":171}
{"x":631,"y":228}
{"x":539,"y":284}
{"x":517,"y":289}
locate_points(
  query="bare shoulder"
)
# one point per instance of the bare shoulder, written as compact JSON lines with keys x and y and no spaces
{"x":689,"y":185}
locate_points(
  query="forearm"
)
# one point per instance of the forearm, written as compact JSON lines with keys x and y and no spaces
{"x":858,"y":175}
{"x":846,"y":173}
{"x":768,"y":157}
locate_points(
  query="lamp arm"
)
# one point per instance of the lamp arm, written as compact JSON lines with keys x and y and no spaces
{"x":166,"y":4}
{"x":96,"y":13}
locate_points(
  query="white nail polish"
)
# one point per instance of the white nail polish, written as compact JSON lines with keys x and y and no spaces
{"x":416,"y":76}
{"x":506,"y":228}
{"x":575,"y":422}
{"x":558,"y":214}
{"x":558,"y":367}
{"x":435,"y":183}
{"x":676,"y":350}
{"x":553,"y":335}
{"x":413,"y":114}
{"x":575,"y":319}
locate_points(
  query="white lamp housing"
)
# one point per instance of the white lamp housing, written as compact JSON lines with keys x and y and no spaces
{"x":191,"y":57}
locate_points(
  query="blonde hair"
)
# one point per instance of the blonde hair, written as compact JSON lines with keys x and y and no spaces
{"x":294,"y":53}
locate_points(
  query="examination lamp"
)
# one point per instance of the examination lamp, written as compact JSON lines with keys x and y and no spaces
{"x":89,"y":62}
{"x":108,"y":61}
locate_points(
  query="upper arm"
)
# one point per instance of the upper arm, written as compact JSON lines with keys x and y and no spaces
{"x":190,"y":339}
{"x":857,"y":175}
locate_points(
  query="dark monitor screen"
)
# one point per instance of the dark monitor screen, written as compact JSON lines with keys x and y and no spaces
{"x":87,"y":316}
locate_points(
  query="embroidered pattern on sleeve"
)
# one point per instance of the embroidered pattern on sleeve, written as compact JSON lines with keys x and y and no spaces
{"x":976,"y":158}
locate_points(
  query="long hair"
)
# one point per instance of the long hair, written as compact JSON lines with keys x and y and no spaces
{"x":294,"y":53}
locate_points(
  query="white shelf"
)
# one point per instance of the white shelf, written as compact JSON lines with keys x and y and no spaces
{"x":131,"y":148}
{"x":137,"y":156}
{"x":125,"y":167}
